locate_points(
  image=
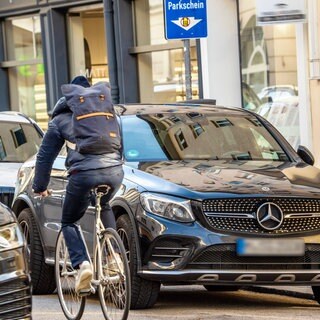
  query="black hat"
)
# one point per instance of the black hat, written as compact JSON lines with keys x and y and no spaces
{"x":81,"y":81}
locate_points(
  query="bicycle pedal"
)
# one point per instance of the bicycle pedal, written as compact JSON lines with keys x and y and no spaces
{"x":92,"y":290}
{"x":84,"y":293}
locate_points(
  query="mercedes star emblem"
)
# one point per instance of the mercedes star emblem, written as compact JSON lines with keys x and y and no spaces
{"x":269,"y":216}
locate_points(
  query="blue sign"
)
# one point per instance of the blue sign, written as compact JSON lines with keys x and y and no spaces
{"x":185,"y":19}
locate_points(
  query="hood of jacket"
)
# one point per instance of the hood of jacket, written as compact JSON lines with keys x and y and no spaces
{"x":60,"y":107}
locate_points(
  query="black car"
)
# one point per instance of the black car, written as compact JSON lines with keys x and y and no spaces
{"x":211,"y":195}
{"x":15,"y":281}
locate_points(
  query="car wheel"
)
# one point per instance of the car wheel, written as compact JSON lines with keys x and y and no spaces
{"x":42,"y":275}
{"x":316,"y":293}
{"x":144,"y":293}
{"x":221,"y":288}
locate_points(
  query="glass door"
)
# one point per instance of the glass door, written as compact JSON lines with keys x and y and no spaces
{"x":87,"y":43}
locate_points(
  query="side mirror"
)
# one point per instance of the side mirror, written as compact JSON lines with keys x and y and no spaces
{"x":306,"y":155}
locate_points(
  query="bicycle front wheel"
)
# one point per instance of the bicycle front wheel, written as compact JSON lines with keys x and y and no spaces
{"x":113,"y":270}
{"x":71,"y":303}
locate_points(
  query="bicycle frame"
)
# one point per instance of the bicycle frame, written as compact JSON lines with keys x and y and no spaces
{"x":96,"y":249}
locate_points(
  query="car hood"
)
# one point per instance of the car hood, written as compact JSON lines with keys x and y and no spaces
{"x":195,"y":179}
{"x":8,"y":173}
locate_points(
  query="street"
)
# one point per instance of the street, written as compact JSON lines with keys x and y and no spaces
{"x":195,"y":303}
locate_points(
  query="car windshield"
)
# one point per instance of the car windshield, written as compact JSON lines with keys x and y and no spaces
{"x":18,"y":141}
{"x":207,"y":136}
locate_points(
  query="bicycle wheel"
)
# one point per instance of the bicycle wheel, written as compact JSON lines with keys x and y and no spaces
{"x":71,"y":303}
{"x":114,"y":289}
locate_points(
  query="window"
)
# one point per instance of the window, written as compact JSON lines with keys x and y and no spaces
{"x":269,"y":70}
{"x":161,"y":63}
{"x":267,"y":149}
{"x":87,"y":43}
{"x":18,"y":136}
{"x":2,"y":150}
{"x":25,"y":67}
{"x":147,"y":138}
{"x":181,"y":140}
{"x":197,"y":129}
{"x":18,"y":142}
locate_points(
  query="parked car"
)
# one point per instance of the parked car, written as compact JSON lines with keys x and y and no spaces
{"x":284,"y":115}
{"x":277,"y":93}
{"x":20,"y":138}
{"x":250,"y":100}
{"x":211,"y":195}
{"x":15,"y":281}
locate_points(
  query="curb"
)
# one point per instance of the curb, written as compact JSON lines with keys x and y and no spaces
{"x":283,"y":292}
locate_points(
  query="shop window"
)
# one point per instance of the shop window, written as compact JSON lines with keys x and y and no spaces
{"x":161,"y":63}
{"x":25,"y":38}
{"x":25,"y":67}
{"x":269,"y":71}
{"x":87,"y":43}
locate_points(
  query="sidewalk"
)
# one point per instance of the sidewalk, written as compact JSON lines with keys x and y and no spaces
{"x":304,"y":292}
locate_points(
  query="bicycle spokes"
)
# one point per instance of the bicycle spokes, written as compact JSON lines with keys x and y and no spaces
{"x":71,"y":303}
{"x":114,"y":290}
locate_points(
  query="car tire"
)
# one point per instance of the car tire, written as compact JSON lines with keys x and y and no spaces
{"x":316,"y":293}
{"x":144,"y":293}
{"x":221,"y":288}
{"x":42,"y":275}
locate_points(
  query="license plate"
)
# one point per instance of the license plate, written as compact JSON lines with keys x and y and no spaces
{"x":270,"y":247}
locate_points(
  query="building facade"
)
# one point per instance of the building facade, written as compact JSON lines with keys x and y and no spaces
{"x":272,"y":69}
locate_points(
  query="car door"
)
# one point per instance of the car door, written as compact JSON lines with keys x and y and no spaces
{"x":51,"y":206}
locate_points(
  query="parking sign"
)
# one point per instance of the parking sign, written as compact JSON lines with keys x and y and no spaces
{"x":185,"y":19}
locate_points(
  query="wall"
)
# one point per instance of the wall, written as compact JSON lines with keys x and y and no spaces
{"x":220,"y":54}
{"x":314,"y":60}
{"x":315,"y":105}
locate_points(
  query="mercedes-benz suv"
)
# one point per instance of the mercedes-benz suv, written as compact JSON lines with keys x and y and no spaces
{"x":211,"y":195}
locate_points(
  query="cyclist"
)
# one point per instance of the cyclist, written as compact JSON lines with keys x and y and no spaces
{"x":84,"y":173}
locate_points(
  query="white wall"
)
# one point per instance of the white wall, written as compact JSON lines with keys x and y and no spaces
{"x":220,"y":54}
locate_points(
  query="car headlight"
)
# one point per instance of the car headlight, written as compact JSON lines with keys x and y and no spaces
{"x":10,"y":237}
{"x":167,"y":206}
{"x":6,"y":216}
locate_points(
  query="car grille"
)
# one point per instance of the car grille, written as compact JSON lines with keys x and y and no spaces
{"x":224,"y":257}
{"x":238,"y":215}
{"x":6,"y":195}
{"x":15,"y":299}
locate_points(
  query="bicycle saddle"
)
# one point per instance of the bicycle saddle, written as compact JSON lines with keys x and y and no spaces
{"x":104,"y":189}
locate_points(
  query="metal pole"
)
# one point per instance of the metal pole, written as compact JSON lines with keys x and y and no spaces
{"x":111,"y":48}
{"x":187,"y":64}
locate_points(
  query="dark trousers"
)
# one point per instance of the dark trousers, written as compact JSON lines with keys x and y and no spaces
{"x":77,"y":200}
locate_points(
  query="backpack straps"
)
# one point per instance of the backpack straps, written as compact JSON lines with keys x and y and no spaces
{"x":71,"y":145}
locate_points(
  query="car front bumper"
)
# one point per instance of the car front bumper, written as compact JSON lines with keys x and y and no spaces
{"x":190,"y":253}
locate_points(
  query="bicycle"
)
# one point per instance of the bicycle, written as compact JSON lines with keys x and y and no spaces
{"x":111,"y":276}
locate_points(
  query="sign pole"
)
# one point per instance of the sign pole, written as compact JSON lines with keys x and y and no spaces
{"x":185,"y":20}
{"x":187,"y":68}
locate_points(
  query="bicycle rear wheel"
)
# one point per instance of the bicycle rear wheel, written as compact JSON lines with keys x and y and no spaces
{"x":71,"y":303}
{"x":114,"y":289}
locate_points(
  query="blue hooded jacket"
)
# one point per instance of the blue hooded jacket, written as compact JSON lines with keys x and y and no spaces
{"x":60,"y":130}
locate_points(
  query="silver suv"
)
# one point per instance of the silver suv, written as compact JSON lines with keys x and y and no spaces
{"x":20,"y":138}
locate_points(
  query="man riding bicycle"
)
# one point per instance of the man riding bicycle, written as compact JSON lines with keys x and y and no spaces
{"x":85,"y":171}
